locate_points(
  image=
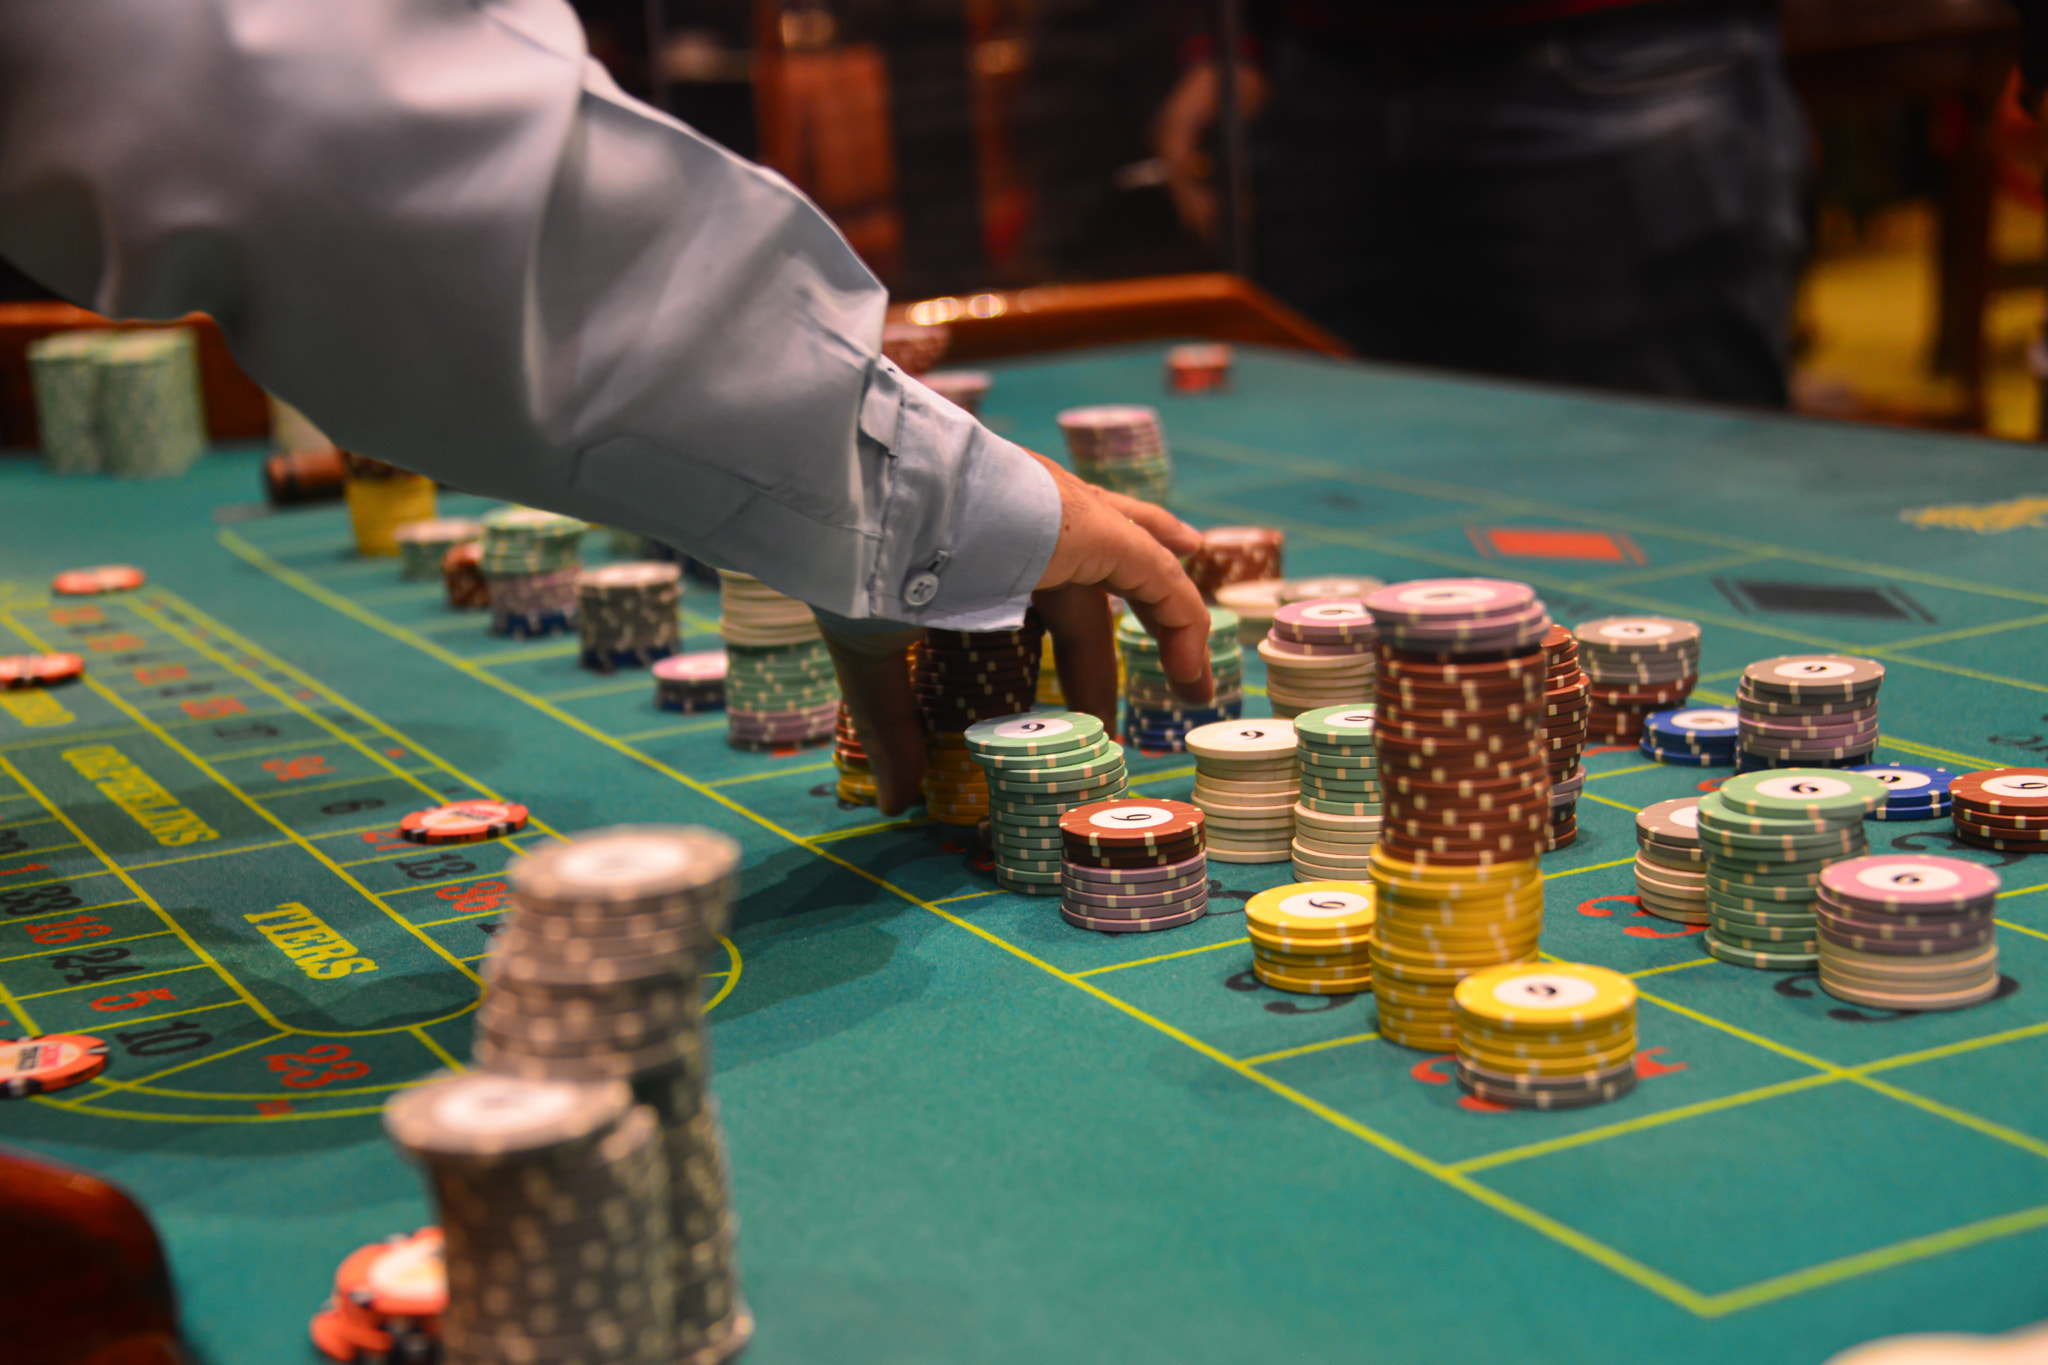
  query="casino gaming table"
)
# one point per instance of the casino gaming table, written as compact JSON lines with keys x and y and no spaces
{"x":961,"y":1129}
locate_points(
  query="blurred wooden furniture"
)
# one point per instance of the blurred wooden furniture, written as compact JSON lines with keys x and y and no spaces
{"x":86,"y":1279}
{"x":1857,"y":53}
{"x":236,"y":409}
{"x":1053,"y":317}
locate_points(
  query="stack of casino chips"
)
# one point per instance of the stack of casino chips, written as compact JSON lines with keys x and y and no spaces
{"x":1255,"y":603}
{"x":381,"y":498}
{"x":1313,"y":937}
{"x":1909,"y":932}
{"x":1341,"y":587}
{"x":1460,"y":682}
{"x":850,"y":757}
{"x":40,"y":670}
{"x":1438,"y":925}
{"x":1132,"y":867}
{"x":1692,"y":737}
{"x":595,"y":979}
{"x":916,"y":346}
{"x":1635,"y":665}
{"x":1320,"y":653}
{"x":1049,"y":693}
{"x":42,"y":1063}
{"x":1566,"y":707}
{"x":1154,"y":719}
{"x":1465,"y":792}
{"x":462,"y":576}
{"x":2002,"y":809}
{"x":626,"y":614}
{"x":1121,"y":449}
{"x":1245,"y":784}
{"x":1338,"y":818}
{"x":1808,"y":711}
{"x":304,"y":476}
{"x":690,"y":682}
{"x":962,"y":678}
{"x":1767,"y":836}
{"x":780,"y":689}
{"x":1550,"y":1035}
{"x":1040,"y":766}
{"x":530,"y":562}
{"x":64,"y":368}
{"x":388,"y":1301}
{"x":1235,"y":554}
{"x":1671,"y":872}
{"x":423,"y":545}
{"x":122,"y":402}
{"x":1915,"y":792}
{"x":1198,"y":367}
{"x":965,"y":387}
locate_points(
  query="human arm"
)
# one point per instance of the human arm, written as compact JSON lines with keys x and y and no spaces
{"x":441,"y":231}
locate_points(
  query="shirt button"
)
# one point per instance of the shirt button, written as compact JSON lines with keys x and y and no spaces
{"x":920,"y":590}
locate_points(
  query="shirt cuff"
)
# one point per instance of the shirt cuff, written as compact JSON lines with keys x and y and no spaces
{"x":972,"y":518}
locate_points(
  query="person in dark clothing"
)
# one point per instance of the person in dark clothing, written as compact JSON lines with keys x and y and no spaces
{"x":1599,"y":192}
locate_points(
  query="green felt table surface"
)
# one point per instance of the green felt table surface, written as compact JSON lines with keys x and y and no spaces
{"x":963,"y":1131}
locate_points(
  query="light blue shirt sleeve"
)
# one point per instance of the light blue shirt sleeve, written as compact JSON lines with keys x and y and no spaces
{"x":439,"y":229}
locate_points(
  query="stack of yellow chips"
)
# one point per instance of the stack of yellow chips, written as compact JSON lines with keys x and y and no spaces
{"x":850,"y":756}
{"x":1314,"y":938}
{"x":955,"y":789}
{"x":1547,"y":1035}
{"x":1438,"y":925}
{"x":1049,"y":693}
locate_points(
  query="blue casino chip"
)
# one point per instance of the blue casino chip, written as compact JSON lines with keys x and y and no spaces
{"x":1917,"y":793}
{"x":1686,"y":758}
{"x":1705,"y":729}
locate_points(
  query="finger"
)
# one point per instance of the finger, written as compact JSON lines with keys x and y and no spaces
{"x":1084,"y":647}
{"x":1166,"y":528}
{"x":874,"y":681}
{"x":1165,"y":601}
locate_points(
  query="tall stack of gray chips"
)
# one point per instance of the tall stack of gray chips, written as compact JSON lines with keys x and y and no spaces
{"x":594,"y":981}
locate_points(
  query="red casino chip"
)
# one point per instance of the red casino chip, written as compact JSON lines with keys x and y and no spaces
{"x":39,"y":670}
{"x":97,"y":579}
{"x":465,"y":822}
{"x":54,"y":1061}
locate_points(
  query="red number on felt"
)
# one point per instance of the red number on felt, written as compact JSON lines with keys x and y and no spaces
{"x":317,"y":1066}
{"x":133,"y":1000}
{"x":126,"y":642}
{"x":288,"y":769}
{"x":162,"y":673}
{"x":477,"y":897}
{"x":1596,"y":910}
{"x":77,"y":616}
{"x":68,"y":930}
{"x":212,"y":708}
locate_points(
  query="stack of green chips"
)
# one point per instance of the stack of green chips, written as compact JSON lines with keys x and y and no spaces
{"x":1337,"y":820}
{"x":422,"y":545}
{"x":526,"y":540}
{"x":1040,"y":765}
{"x":1155,"y":719}
{"x":152,"y":420}
{"x":126,"y":403}
{"x":66,"y":370}
{"x":1766,"y":837}
{"x":780,"y":689}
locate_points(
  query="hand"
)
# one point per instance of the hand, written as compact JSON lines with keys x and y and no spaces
{"x":1107,"y":543}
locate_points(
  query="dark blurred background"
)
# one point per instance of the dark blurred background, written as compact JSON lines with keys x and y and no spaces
{"x":975,"y":145}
